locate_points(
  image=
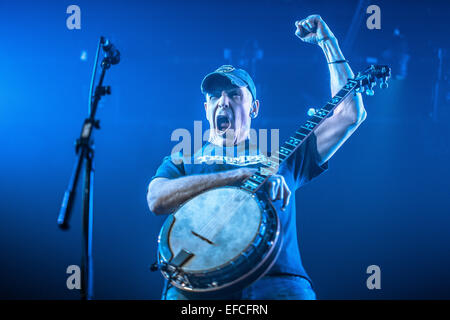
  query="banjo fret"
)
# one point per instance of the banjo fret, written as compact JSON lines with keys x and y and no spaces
{"x":257,"y":178}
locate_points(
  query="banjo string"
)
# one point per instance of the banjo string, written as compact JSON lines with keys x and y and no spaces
{"x":211,"y":228}
{"x":215,"y":230}
{"x":214,"y":225}
{"x":208,"y":229}
{"x":212,"y":231}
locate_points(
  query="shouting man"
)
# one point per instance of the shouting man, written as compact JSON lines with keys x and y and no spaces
{"x":230,"y":106}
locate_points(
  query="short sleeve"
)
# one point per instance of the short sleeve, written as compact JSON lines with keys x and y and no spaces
{"x":304,"y":163}
{"x":168,"y":169}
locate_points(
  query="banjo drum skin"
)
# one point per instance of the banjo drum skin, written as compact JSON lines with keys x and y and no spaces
{"x":219,"y":241}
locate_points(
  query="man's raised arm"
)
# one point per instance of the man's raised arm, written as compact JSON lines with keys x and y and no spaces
{"x":336,"y":129}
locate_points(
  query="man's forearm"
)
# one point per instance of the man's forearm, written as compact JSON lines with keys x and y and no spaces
{"x":167,"y":195}
{"x":352,"y":107}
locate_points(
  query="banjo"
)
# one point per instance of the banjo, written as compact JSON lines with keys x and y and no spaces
{"x":226,"y":238}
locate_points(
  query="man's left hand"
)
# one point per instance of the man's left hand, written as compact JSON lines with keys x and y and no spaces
{"x":278,"y":189}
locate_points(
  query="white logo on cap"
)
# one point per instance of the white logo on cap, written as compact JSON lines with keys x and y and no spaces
{"x":226,"y":69}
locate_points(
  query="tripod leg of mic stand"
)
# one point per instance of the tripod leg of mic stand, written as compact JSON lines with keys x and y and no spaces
{"x":87,"y":262}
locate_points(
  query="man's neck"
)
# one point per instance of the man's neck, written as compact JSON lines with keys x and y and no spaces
{"x":227,"y":142}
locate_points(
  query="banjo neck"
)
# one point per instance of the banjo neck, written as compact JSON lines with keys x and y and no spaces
{"x":364,"y":81}
{"x":270,"y":167}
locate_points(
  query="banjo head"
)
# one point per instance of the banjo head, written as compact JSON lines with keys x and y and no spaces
{"x":219,"y":241}
{"x":216,"y":226}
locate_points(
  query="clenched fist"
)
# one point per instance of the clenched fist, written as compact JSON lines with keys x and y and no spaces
{"x":313,"y":29}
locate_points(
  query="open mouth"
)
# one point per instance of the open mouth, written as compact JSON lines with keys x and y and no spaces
{"x":223,"y":122}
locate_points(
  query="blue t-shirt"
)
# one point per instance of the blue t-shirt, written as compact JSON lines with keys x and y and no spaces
{"x":300,"y":168}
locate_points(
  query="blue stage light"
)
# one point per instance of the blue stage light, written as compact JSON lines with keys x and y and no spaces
{"x":83,"y":56}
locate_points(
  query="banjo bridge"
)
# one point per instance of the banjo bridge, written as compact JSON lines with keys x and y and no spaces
{"x":203,"y":238}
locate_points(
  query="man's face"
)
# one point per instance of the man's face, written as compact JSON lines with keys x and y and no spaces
{"x":228,"y":111}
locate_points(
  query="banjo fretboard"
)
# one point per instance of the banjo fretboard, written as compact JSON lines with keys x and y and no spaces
{"x":253,"y":183}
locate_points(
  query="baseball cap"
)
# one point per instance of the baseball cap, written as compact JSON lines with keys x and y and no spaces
{"x":238,"y":77}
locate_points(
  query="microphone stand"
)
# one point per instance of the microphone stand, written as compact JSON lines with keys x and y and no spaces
{"x":84,"y":148}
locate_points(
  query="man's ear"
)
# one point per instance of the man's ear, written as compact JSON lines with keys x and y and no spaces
{"x":255,"y":107}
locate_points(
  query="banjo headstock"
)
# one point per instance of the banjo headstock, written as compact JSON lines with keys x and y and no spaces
{"x":367,"y":80}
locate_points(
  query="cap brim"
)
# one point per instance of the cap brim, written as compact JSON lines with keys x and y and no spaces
{"x":216,"y":78}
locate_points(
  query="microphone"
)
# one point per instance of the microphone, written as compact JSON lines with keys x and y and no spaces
{"x":111,"y":52}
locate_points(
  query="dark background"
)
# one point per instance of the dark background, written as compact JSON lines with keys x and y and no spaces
{"x":384,"y":200}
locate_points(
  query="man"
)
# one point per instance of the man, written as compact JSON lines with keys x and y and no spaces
{"x":230,"y":106}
